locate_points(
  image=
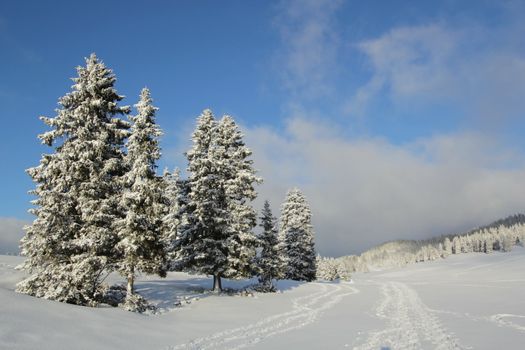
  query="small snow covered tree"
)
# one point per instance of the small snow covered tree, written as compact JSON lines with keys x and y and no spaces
{"x":296,"y":228}
{"x":456,"y":245}
{"x":329,"y":269}
{"x":507,"y":243}
{"x":326,"y":269}
{"x":140,"y":247}
{"x":270,"y":261}
{"x":441,"y":250}
{"x":468,"y":246}
{"x":70,"y":244}
{"x":489,"y":243}
{"x":342,"y":271}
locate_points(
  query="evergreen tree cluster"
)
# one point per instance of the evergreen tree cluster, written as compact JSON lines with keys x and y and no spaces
{"x":501,"y":235}
{"x":100,"y":206}
{"x":329,"y":269}
{"x":217,"y":238}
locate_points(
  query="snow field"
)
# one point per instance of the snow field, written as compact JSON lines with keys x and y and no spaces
{"x":411,"y":324}
{"x":469,"y":301}
{"x":305,"y":310}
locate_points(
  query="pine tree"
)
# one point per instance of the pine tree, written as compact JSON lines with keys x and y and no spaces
{"x":456,"y":245}
{"x":177,"y":219}
{"x":507,"y":243}
{"x":489,"y":243}
{"x":326,"y":269}
{"x":270,"y":263}
{"x":447,"y":246}
{"x":441,"y":251}
{"x":297,"y":231}
{"x":171,"y":219}
{"x":140,"y":245}
{"x":201,"y":244}
{"x":70,"y":244}
{"x":233,"y":157}
{"x":329,"y":269}
{"x":217,"y":239}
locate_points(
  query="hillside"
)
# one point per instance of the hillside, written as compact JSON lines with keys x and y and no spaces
{"x":500,"y":235}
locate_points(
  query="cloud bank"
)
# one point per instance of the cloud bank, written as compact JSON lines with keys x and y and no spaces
{"x":11,"y":231}
{"x":367,"y":191}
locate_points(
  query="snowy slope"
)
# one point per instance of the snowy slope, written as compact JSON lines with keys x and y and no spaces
{"x":466,"y":301}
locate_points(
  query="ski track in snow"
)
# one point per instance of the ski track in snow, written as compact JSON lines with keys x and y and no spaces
{"x":502,"y":320}
{"x":306,"y":310}
{"x":410,"y":323}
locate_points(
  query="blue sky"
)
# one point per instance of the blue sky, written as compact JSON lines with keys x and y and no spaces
{"x":399,"y":119}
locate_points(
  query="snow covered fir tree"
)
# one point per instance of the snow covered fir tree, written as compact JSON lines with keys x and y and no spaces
{"x":240,"y":179}
{"x":174,"y":217}
{"x":218,"y":239}
{"x":140,"y":245}
{"x":296,"y":231}
{"x":70,"y":246}
{"x":270,"y":263}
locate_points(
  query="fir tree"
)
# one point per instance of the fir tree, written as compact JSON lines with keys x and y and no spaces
{"x":70,"y":244}
{"x":140,"y":247}
{"x":328,"y":269}
{"x":217,"y":238}
{"x":447,"y":246}
{"x":297,"y":232}
{"x":231,"y":154}
{"x":507,"y":243}
{"x":489,"y":244}
{"x":176,"y":219}
{"x":456,"y":245}
{"x":440,"y":250}
{"x":171,"y":219}
{"x":270,"y":263}
{"x":201,"y":245}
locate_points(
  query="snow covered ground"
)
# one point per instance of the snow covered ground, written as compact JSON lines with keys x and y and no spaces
{"x":470,"y":301}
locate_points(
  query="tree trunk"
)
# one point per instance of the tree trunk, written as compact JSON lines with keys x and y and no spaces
{"x":131,"y":278}
{"x":217,"y":283}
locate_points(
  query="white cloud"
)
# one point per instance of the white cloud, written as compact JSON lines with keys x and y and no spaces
{"x":310,"y":45}
{"x":476,"y":69}
{"x":11,"y":231}
{"x":367,"y":191}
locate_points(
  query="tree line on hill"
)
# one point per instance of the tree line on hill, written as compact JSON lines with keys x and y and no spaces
{"x":501,"y":235}
{"x":100,"y":206}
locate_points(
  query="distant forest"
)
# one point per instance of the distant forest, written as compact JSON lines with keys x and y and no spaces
{"x":501,"y":235}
